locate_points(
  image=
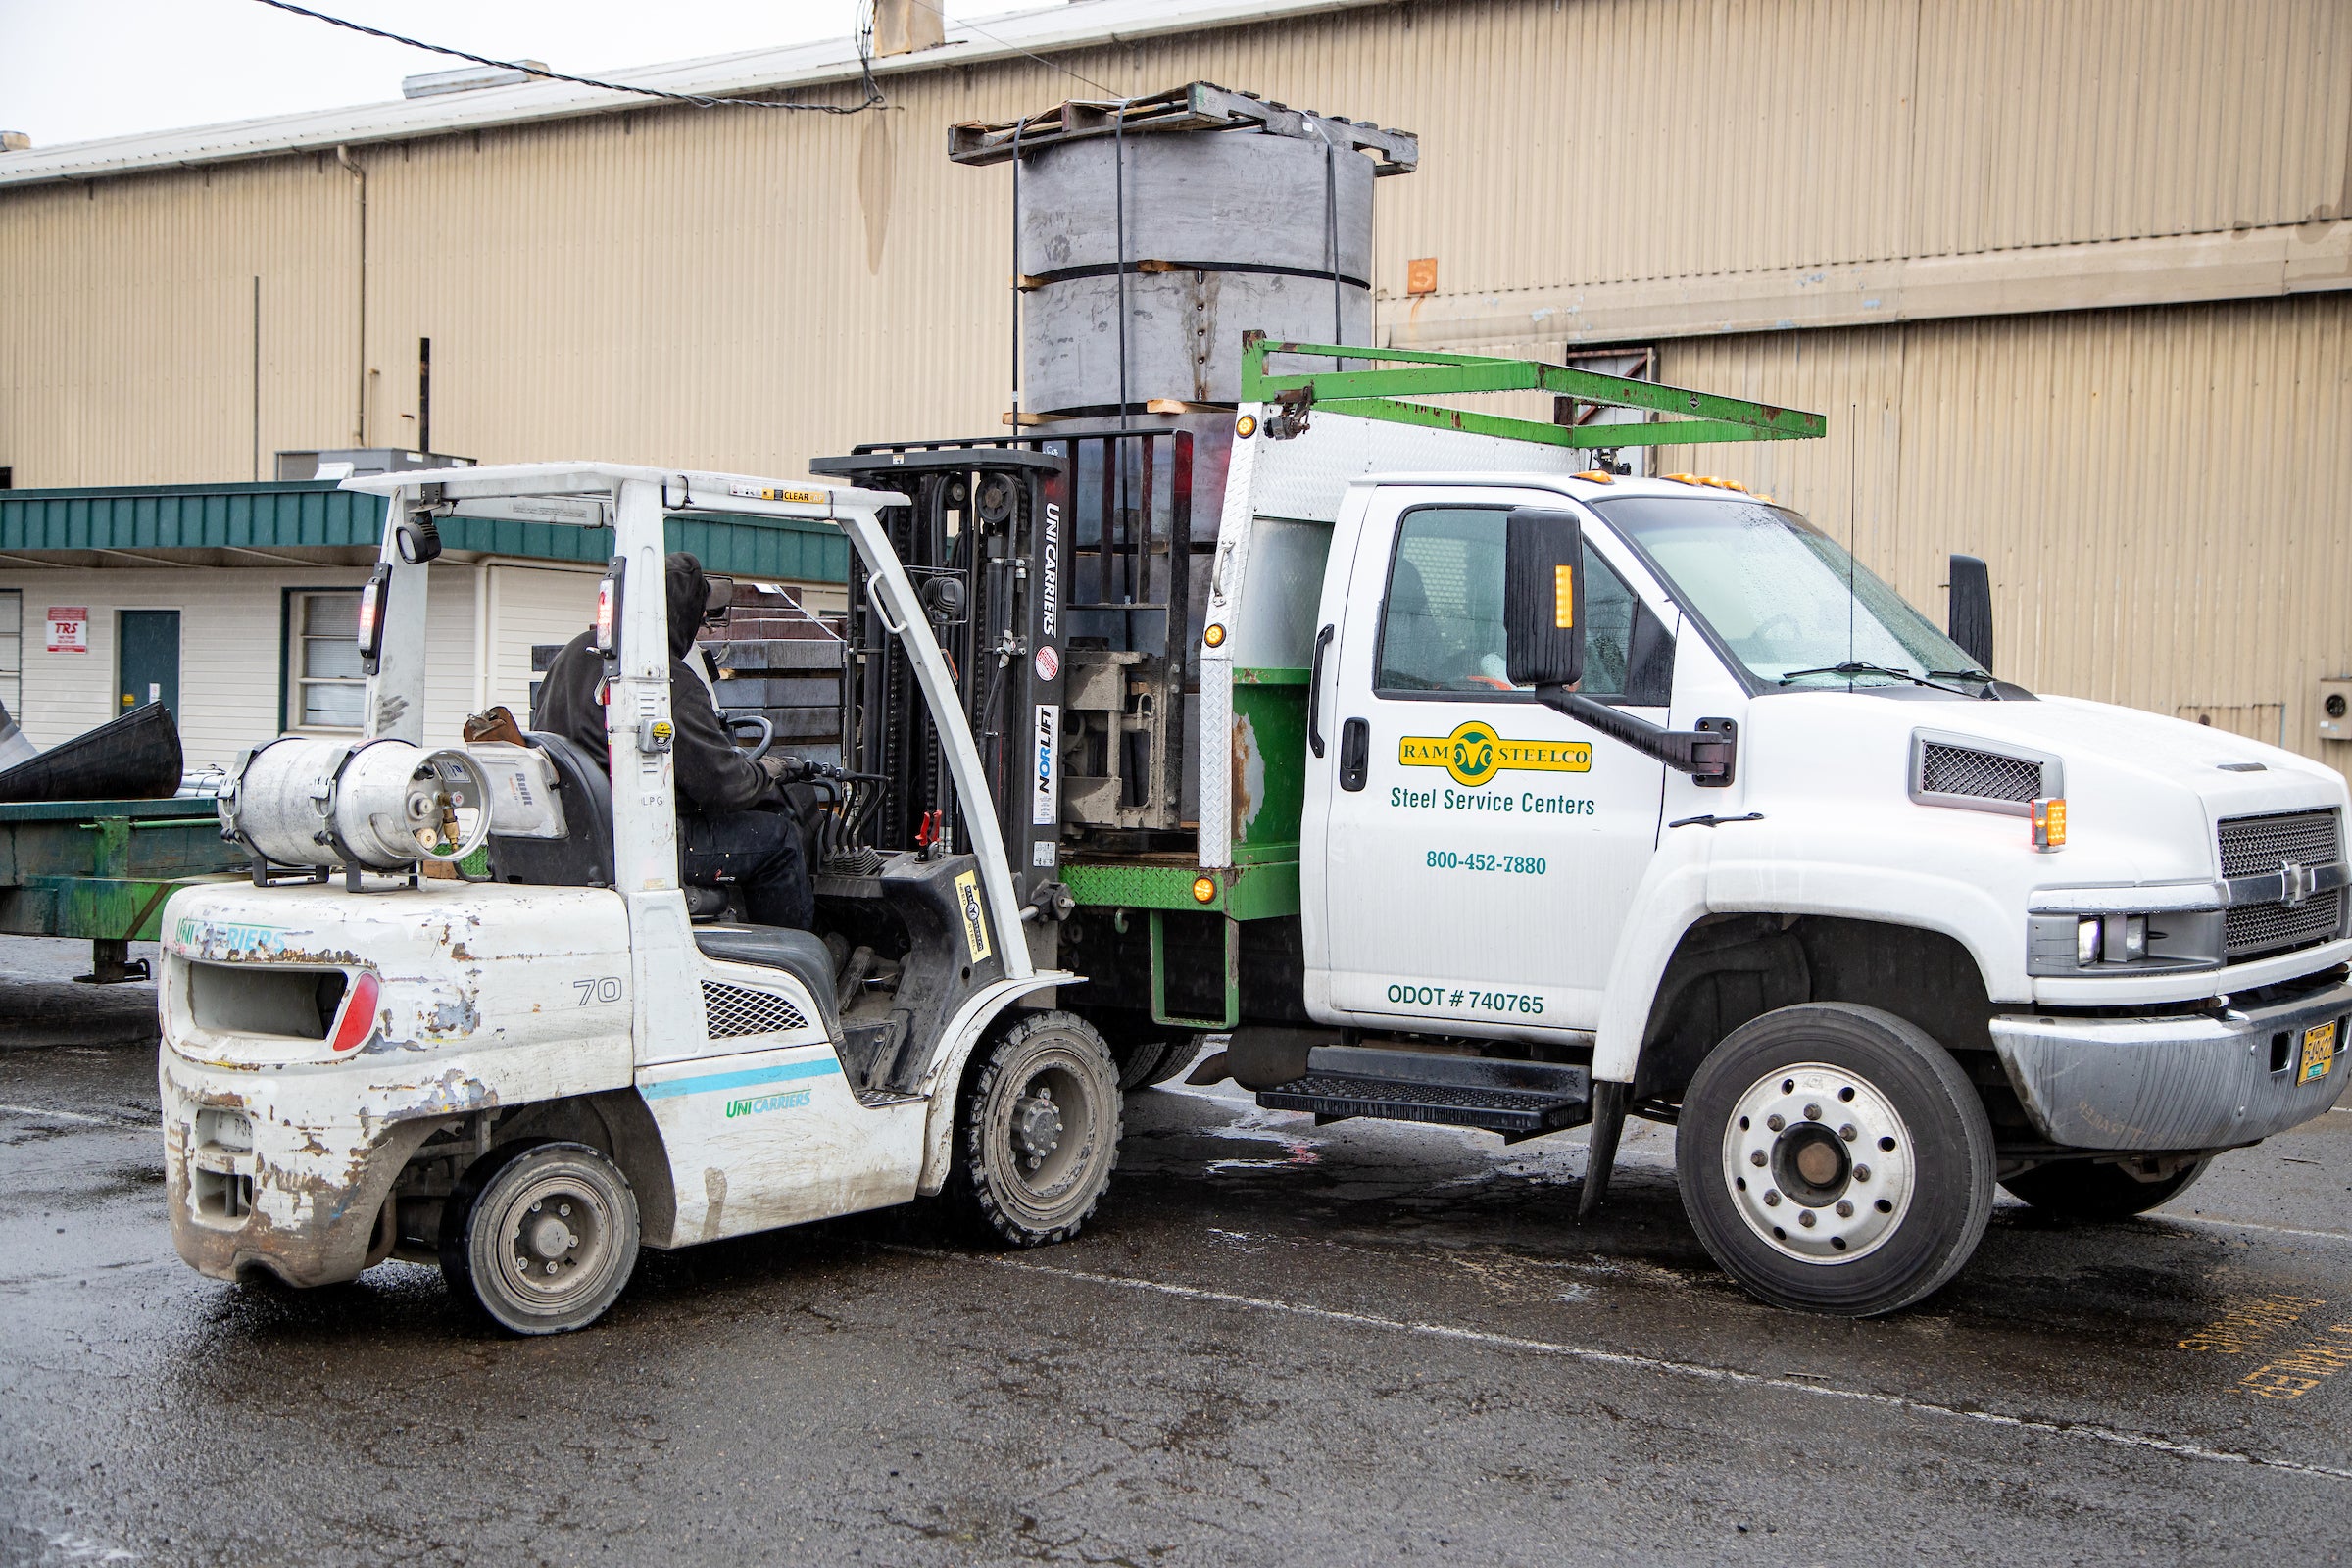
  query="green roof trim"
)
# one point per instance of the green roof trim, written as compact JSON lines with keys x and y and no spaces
{"x":320,"y":515}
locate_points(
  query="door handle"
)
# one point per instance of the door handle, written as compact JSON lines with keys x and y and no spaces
{"x":1355,"y":753}
{"x":1314,"y":692}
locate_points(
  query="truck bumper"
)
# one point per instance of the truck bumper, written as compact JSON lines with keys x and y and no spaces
{"x":2174,"y":1083}
{"x":256,"y":1181}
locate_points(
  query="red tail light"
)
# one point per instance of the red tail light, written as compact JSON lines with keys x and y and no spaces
{"x":357,"y":1020}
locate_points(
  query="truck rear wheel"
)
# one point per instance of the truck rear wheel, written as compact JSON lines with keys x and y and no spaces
{"x":1036,"y":1132}
{"x":2082,"y":1190}
{"x":1181,"y":1051}
{"x":542,"y":1236}
{"x":1835,"y":1158}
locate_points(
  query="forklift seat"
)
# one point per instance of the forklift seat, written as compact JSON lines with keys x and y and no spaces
{"x":583,"y":857}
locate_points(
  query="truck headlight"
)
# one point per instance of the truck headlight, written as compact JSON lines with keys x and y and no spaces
{"x":2124,"y":937}
{"x":2110,"y":939}
{"x":2099,"y":943}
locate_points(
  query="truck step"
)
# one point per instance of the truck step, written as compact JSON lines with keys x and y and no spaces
{"x":1516,"y":1098}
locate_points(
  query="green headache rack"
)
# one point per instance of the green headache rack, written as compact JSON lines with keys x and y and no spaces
{"x":1686,"y":418}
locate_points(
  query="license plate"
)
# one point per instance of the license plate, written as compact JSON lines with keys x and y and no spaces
{"x":2319,"y":1050}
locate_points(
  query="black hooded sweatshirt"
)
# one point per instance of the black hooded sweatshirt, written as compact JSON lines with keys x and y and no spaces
{"x":714,"y":778}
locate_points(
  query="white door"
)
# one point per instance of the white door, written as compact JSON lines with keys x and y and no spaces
{"x":1481,"y":851}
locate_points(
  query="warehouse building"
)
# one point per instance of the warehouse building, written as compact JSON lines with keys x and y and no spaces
{"x":236,"y":606}
{"x":2068,"y":279}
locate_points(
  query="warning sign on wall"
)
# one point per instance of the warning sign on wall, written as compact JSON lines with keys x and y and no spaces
{"x":69,"y":628}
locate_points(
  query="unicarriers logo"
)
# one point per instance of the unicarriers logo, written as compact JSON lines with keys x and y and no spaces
{"x":1474,"y":754}
{"x":1048,"y":616}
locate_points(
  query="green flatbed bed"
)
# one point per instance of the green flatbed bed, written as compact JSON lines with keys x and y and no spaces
{"x":101,"y":871}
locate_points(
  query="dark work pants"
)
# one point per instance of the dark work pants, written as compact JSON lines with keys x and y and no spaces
{"x":761,"y":852}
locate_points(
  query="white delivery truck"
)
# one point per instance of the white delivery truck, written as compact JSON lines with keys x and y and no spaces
{"x":1471,"y":778}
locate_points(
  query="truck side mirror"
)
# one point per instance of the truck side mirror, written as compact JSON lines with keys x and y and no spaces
{"x":1971,"y":622}
{"x":1544,"y":597}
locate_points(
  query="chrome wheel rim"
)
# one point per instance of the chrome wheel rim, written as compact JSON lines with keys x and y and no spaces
{"x":1819,"y":1164}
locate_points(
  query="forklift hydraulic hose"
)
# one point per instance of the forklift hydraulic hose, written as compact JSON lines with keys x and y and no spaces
{"x":1704,"y":755}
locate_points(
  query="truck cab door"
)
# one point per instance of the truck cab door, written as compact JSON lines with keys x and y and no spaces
{"x":1477,"y":852}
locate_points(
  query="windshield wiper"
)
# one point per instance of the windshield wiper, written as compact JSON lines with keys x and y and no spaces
{"x":1853,"y":668}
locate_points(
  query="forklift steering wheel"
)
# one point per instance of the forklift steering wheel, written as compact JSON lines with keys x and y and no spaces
{"x":763,"y":728}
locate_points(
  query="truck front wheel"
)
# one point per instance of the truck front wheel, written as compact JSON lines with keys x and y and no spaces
{"x":541,"y":1235}
{"x":1036,"y":1132}
{"x":1835,"y":1158}
{"x":2082,"y":1190}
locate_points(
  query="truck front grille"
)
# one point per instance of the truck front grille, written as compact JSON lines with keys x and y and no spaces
{"x":2256,"y":928}
{"x":2258,"y":846}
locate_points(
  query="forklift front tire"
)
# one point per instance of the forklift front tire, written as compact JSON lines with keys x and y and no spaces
{"x":1036,"y":1132}
{"x":1835,"y":1158}
{"x":542,"y":1236}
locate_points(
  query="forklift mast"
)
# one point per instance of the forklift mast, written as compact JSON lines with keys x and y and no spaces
{"x":1062,"y":577}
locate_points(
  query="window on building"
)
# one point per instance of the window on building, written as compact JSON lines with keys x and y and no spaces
{"x":12,"y":650}
{"x":1442,"y":628}
{"x":325,"y":688}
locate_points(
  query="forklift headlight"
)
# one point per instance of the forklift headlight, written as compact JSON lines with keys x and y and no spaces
{"x":372,"y":617}
{"x":608,"y":611}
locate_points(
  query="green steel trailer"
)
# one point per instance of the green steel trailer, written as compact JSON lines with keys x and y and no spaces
{"x":101,"y":871}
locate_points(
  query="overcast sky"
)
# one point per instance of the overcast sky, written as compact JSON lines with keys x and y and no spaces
{"x":80,"y":70}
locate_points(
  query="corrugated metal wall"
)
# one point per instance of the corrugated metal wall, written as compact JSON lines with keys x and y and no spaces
{"x":127,"y":322}
{"x":747,"y":289}
{"x":2160,"y":493}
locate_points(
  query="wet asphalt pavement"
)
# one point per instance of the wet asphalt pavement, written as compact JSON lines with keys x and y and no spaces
{"x":1360,"y":1344}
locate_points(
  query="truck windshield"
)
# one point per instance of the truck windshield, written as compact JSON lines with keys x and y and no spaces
{"x":1774,"y":590}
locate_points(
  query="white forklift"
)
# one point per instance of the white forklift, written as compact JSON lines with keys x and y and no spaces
{"x":525,"y":1077}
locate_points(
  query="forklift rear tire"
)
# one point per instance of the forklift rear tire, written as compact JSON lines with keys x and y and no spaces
{"x":1835,"y":1158}
{"x":2081,"y":1190}
{"x":1036,"y":1132}
{"x":541,"y":1236}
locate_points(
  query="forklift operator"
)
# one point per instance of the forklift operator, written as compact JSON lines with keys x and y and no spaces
{"x":735,"y":823}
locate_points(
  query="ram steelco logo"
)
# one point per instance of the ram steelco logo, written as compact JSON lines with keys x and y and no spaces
{"x":1474,"y":754}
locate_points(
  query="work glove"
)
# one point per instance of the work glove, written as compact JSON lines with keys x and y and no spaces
{"x":792,"y":769}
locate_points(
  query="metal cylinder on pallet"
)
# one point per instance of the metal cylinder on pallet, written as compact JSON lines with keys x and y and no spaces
{"x":1218,"y":232}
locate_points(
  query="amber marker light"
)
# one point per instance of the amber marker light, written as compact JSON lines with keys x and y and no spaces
{"x":1214,"y":636}
{"x":1204,"y":890}
{"x":2049,"y":823}
{"x":1596,"y":475}
{"x":1245,"y":426}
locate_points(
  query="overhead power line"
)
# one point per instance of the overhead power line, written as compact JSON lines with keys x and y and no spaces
{"x":1051,"y":65}
{"x":865,"y":44}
